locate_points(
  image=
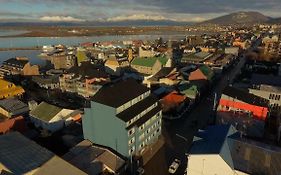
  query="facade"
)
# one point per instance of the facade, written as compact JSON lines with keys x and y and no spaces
{"x":84,"y":80}
{"x":149,"y":66}
{"x":198,"y":57}
{"x":131,"y":114}
{"x":47,"y":81}
{"x":114,"y":66}
{"x":12,"y":107}
{"x":8,"y":89}
{"x":146,"y":53}
{"x":19,"y":155}
{"x":272,"y":94}
{"x":233,"y":99}
{"x":221,"y":150}
{"x":12,"y":124}
{"x":232,"y":50}
{"x":18,"y":66}
{"x":52,"y":118}
{"x":64,"y":61}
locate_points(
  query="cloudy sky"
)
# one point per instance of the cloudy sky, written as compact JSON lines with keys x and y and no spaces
{"x":118,"y":10}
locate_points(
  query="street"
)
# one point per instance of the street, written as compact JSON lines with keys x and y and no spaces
{"x":179,"y":134}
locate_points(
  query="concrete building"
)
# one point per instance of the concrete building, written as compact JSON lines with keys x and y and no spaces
{"x":53,"y":118}
{"x":47,"y":81}
{"x":64,"y":61}
{"x":115,"y":66}
{"x":267,"y":87}
{"x":198,"y":57}
{"x":84,"y":80}
{"x":233,"y":99}
{"x":18,"y":66}
{"x":232,"y":50}
{"x":8,"y":89}
{"x":146,"y":52}
{"x":19,"y":155}
{"x":124,"y":116}
{"x":221,"y":150}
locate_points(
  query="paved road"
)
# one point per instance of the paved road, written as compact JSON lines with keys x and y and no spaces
{"x":179,"y":134}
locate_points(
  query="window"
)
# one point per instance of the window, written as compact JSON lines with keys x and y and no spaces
{"x":270,"y":96}
{"x":141,"y":127}
{"x":131,"y":151}
{"x":132,"y":141}
{"x":131,"y":132}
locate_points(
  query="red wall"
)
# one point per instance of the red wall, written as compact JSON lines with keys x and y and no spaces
{"x":16,"y":123}
{"x":258,"y":111}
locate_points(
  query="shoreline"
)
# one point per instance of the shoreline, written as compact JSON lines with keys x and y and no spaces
{"x":20,"y":48}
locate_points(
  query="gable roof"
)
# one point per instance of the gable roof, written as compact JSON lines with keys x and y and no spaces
{"x":149,"y":62}
{"x":21,"y":155}
{"x":214,"y":141}
{"x":245,"y":96}
{"x":19,"y":63}
{"x":117,"y":94}
{"x":14,"y":106}
{"x":207,"y":71}
{"x":45,"y":111}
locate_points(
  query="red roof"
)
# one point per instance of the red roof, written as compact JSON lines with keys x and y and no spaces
{"x":172,"y":100}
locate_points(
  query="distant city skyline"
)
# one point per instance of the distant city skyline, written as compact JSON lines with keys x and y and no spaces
{"x":121,"y":10}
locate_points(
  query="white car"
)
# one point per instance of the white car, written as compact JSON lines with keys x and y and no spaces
{"x":174,"y":166}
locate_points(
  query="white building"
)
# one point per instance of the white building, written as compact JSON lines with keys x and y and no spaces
{"x":220,"y":150}
{"x":52,"y":118}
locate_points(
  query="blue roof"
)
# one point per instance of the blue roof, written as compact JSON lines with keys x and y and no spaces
{"x":214,"y":141}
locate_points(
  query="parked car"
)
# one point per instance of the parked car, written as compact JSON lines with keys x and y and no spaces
{"x":174,"y":166}
{"x":140,"y":171}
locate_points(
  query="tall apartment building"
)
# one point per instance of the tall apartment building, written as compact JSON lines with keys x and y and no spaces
{"x":124,"y":116}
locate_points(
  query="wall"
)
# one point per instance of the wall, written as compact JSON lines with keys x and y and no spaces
{"x":208,"y":164}
{"x":101,"y":126}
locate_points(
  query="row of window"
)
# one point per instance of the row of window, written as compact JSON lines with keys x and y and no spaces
{"x":132,"y":102}
{"x":141,"y":114}
{"x":274,"y":97}
{"x":149,"y":121}
{"x":141,"y":137}
{"x":149,"y":138}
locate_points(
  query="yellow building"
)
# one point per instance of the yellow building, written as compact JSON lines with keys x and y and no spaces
{"x":8,"y":89}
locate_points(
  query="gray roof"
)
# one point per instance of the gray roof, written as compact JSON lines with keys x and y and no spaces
{"x":119,"y":93}
{"x":14,"y":106}
{"x":91,"y":158}
{"x":258,"y":79}
{"x":254,"y":157}
{"x":21,"y":155}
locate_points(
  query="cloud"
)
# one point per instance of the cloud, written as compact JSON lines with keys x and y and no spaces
{"x":137,"y":17}
{"x":61,"y":19}
{"x":155,"y":17}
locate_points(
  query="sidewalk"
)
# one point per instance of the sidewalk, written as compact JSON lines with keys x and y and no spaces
{"x":152,"y":150}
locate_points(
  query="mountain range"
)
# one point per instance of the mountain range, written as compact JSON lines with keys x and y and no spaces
{"x":243,"y":18}
{"x":233,"y":18}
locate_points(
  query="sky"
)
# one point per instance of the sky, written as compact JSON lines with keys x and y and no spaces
{"x":119,"y":10}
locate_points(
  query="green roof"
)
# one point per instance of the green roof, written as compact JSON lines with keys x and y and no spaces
{"x":45,"y":111}
{"x":189,"y":90}
{"x":207,"y":71}
{"x":149,"y":62}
